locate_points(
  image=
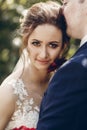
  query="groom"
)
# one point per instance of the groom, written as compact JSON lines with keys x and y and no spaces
{"x":64,"y":105}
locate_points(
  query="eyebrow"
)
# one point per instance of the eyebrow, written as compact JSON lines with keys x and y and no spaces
{"x":55,"y":41}
{"x":42,"y":41}
{"x":36,"y":40}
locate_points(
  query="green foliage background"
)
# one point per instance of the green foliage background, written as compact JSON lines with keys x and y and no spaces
{"x":10,"y":13}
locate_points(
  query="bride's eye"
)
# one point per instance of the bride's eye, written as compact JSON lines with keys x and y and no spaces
{"x":53,"y":45}
{"x":35,"y":43}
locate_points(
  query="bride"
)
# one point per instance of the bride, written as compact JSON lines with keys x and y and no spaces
{"x":44,"y":41}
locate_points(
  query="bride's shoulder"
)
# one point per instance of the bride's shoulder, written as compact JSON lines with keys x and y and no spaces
{"x":7,"y":98}
{"x":14,"y":86}
{"x":6,"y":87}
{"x":13,"y":76}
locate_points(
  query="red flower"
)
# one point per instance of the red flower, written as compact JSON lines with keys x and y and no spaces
{"x":23,"y":128}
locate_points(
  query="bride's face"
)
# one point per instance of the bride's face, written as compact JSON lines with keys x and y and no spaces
{"x":44,"y":46}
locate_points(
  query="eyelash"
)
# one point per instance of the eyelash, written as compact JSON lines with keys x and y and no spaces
{"x":36,"y":43}
{"x":51,"y":45}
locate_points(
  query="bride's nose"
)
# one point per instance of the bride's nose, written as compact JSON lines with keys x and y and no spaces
{"x":44,"y":52}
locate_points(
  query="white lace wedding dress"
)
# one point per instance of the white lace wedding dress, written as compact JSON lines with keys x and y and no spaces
{"x":27,"y":111}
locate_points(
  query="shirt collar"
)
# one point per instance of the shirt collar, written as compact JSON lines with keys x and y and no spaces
{"x":84,"y":39}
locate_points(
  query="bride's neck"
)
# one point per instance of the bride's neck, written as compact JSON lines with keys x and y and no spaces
{"x":36,"y":76}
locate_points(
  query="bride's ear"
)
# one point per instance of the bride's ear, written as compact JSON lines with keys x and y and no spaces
{"x":64,"y":50}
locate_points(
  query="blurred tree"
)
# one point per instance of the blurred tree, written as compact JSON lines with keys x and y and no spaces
{"x":9,"y":19}
{"x":10,"y":13}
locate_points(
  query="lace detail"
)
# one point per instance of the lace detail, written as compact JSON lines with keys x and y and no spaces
{"x":27,"y":111}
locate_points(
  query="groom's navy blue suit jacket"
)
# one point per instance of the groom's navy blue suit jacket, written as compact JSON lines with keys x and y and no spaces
{"x":64,"y":105}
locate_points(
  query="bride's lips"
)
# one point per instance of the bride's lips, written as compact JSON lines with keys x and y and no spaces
{"x":43,"y":61}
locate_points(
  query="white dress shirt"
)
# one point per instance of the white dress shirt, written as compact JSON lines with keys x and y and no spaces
{"x":84,"y":39}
